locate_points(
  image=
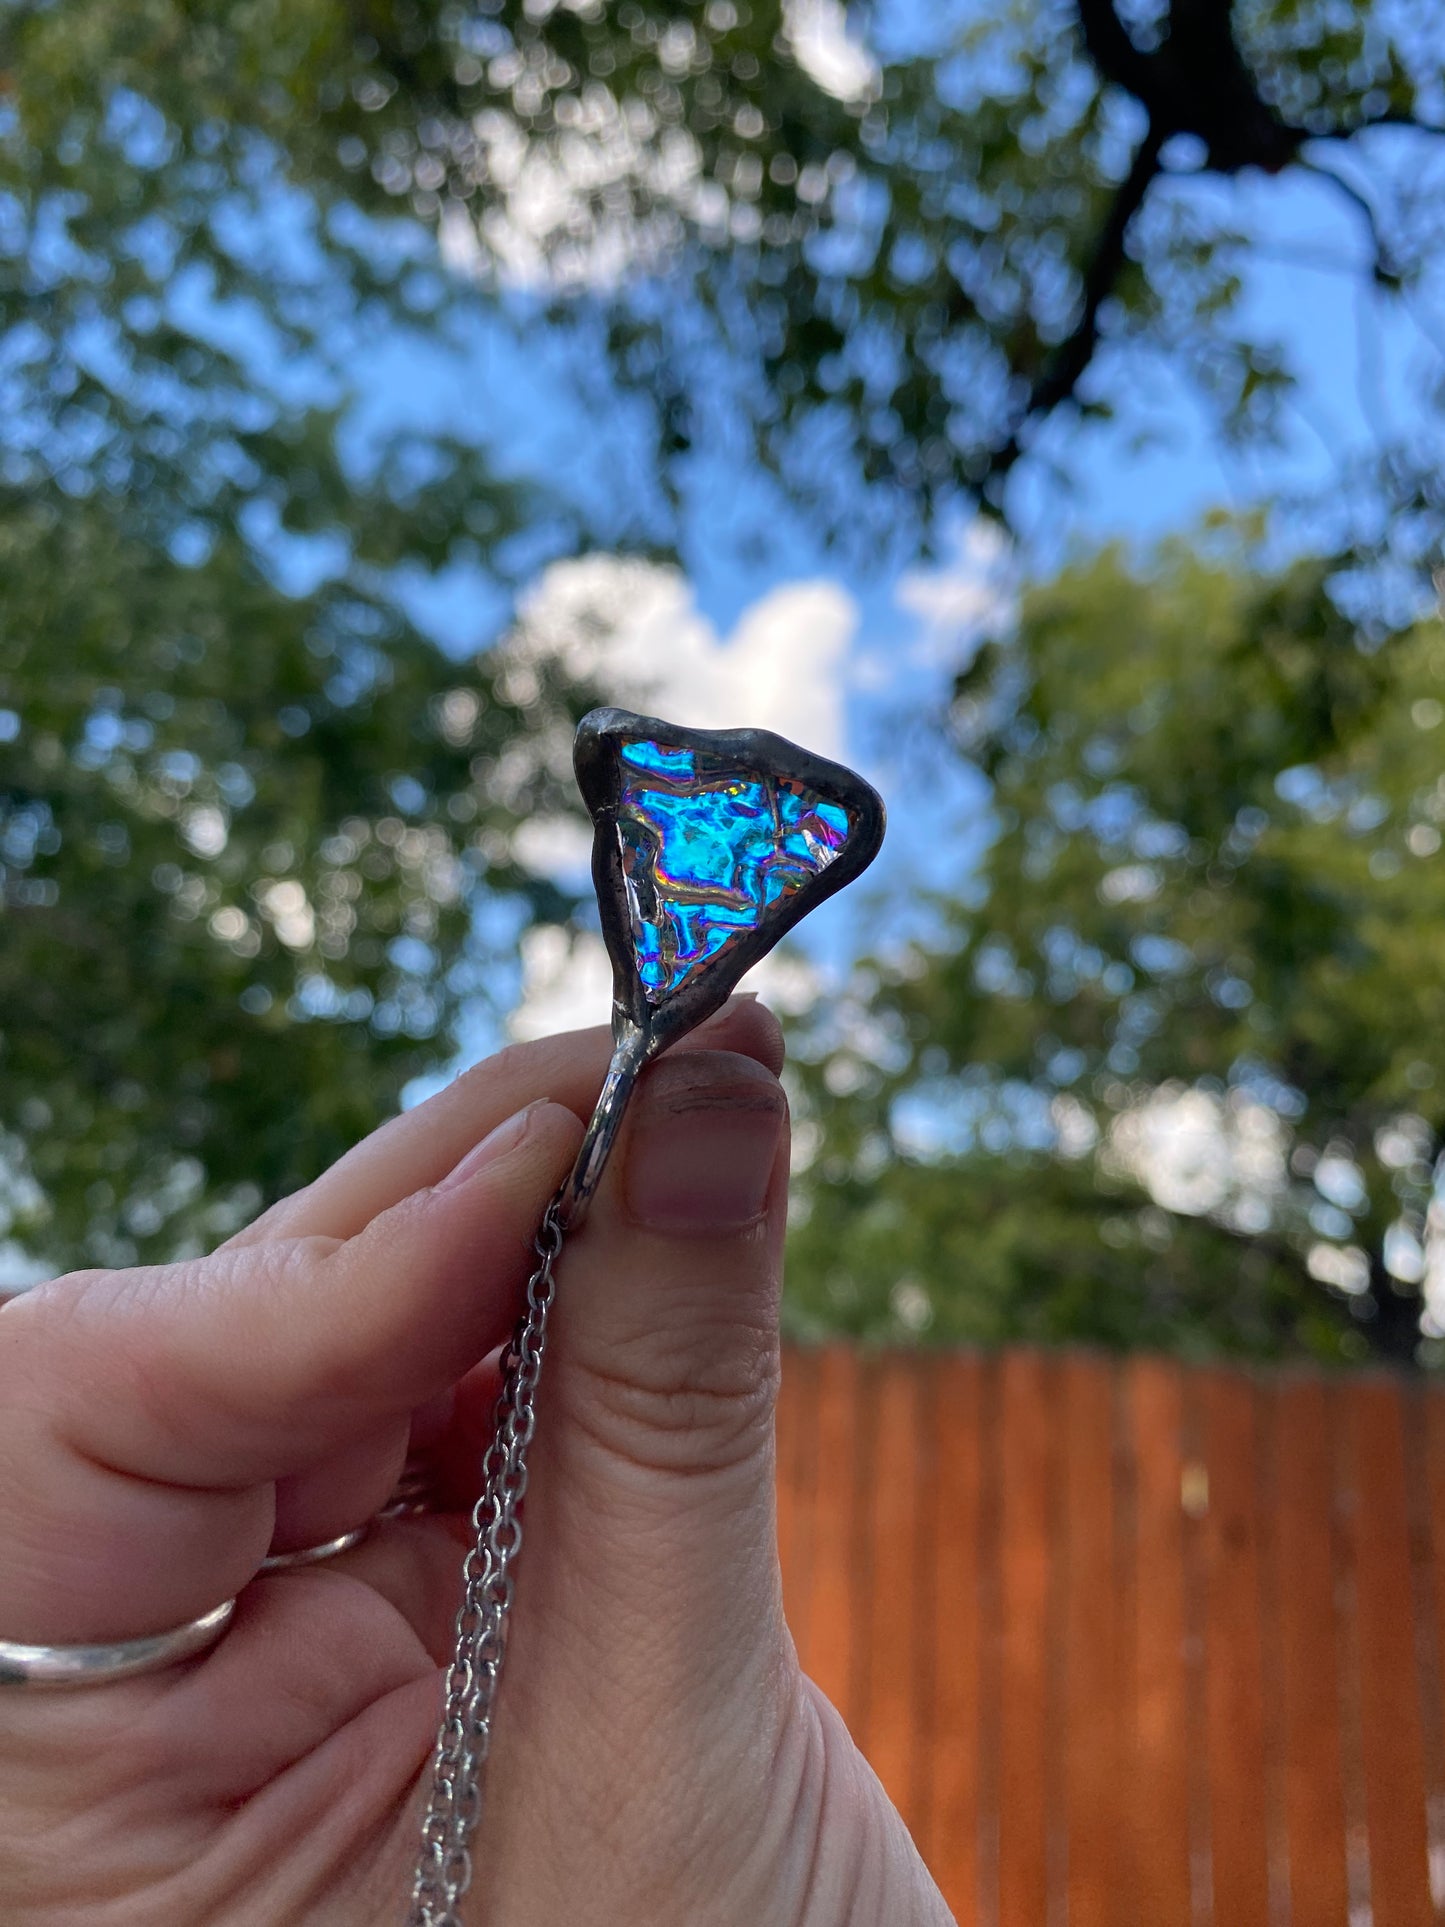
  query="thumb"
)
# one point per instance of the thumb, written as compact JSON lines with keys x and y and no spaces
{"x":649,"y":1608}
{"x":667,"y":1333}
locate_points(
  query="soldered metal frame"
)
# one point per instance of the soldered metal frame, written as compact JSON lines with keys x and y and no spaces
{"x":641,"y":1028}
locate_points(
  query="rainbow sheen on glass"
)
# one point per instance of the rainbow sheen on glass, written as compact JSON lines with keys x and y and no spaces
{"x":708,"y":847}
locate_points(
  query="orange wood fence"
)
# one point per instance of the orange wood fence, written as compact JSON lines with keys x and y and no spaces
{"x":1131,"y":1645}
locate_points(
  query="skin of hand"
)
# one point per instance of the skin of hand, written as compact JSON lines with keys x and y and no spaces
{"x":659,"y":1759}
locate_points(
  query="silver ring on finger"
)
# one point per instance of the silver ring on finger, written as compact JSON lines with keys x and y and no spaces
{"x":56,"y":1666}
{"x":313,"y":1555}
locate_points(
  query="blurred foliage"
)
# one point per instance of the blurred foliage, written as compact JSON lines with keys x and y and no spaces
{"x":1176,"y":1075}
{"x":866,"y":259}
{"x":248,"y":812}
{"x":242,"y":839}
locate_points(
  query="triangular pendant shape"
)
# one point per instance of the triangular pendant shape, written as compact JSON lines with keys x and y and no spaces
{"x":709,"y":845}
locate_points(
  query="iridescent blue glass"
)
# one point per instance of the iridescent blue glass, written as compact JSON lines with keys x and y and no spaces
{"x":708,"y":847}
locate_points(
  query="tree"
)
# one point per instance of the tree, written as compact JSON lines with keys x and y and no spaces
{"x":1177,"y":1074}
{"x":249,"y":815}
{"x":907,"y":259}
{"x":913,"y":255}
{"x":243,"y":838}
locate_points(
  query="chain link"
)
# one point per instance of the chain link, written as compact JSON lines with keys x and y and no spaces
{"x":444,"y":1866}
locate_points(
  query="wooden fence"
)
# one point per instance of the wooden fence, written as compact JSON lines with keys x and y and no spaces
{"x":1131,"y":1645}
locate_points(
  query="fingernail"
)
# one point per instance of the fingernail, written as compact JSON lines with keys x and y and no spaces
{"x":494,"y":1145}
{"x":700,"y":1158}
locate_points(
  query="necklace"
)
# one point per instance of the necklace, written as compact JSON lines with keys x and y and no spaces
{"x":708,"y":846}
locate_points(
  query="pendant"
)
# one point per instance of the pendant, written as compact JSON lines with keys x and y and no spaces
{"x":708,"y":846}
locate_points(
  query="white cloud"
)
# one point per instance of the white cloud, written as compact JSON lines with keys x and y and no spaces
{"x":1131,"y":883}
{"x":610,"y":192}
{"x":632,"y":627}
{"x":18,"y":1270}
{"x":874,"y":670}
{"x":955,"y":603}
{"x":1433,"y":1282}
{"x":1075,"y":1127}
{"x":1403,"y":1253}
{"x":566,"y":983}
{"x":1342,"y":1181}
{"x":787,"y":981}
{"x":1344,"y":1266}
{"x":559,"y":847}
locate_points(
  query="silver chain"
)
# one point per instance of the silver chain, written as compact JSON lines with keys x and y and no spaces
{"x":444,"y":1867}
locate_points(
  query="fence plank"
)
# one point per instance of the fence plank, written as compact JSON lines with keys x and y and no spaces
{"x":889,"y":1716}
{"x":955,"y":1520}
{"x":1432,"y":1433}
{"x":1159,"y":1888}
{"x":1391,"y":1739}
{"x":1094,"y":1758}
{"x":1026,"y":1424}
{"x":832,"y":1595}
{"x":1234,"y":1665}
{"x":1314,"y":1795}
{"x":1435,"y":1487}
{"x":1080,"y":1668}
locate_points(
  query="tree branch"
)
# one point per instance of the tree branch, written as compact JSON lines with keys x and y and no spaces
{"x":1107,"y":42}
{"x":1061,"y":373}
{"x":1383,"y":265}
{"x":1195,"y":81}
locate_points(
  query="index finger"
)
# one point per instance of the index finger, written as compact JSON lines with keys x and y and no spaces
{"x":145,"y":1415}
{"x":415,"y":1150}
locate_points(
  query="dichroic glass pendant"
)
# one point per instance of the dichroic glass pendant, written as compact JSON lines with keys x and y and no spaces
{"x":708,"y":846}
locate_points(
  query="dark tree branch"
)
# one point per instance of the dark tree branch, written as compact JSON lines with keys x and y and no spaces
{"x":1382,"y":265}
{"x":1061,"y":373}
{"x":1073,"y":356}
{"x":1107,"y":42}
{"x":1194,"y":82}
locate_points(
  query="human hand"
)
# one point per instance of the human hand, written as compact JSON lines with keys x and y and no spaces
{"x":658,"y":1758}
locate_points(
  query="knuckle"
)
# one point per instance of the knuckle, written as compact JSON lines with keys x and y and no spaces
{"x":270,"y":1223}
{"x":679,"y":1410}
